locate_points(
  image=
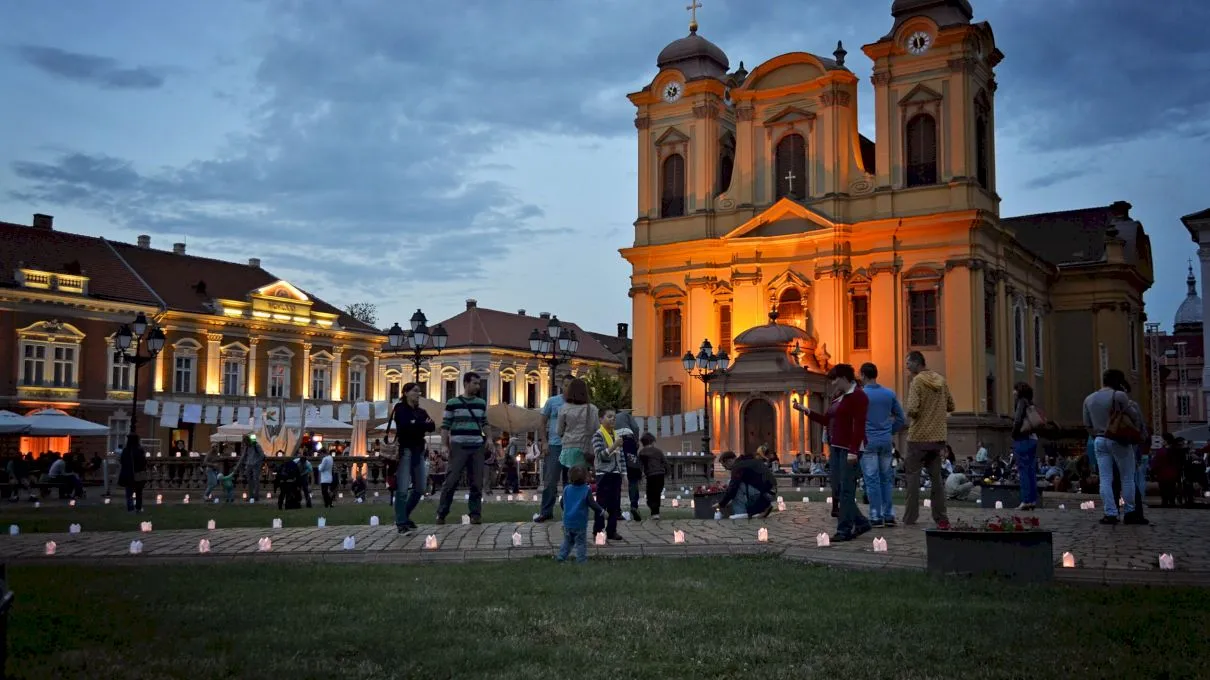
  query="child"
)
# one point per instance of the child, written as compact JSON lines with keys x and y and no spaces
{"x":359,"y":489}
{"x":228,"y":482}
{"x":575,"y":503}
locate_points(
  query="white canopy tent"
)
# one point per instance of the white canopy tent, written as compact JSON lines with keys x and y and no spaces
{"x":51,"y":422}
{"x":11,"y":423}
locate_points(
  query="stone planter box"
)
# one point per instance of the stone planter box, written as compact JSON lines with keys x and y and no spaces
{"x":703,"y":506}
{"x":1008,"y":494}
{"x":1025,"y":556}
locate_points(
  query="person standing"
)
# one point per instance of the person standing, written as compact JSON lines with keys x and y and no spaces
{"x":929,"y":404}
{"x":251,"y":460}
{"x":846,"y":422}
{"x":655,"y":466}
{"x":608,"y":460}
{"x":305,"y":474}
{"x":132,"y":472}
{"x":578,"y":422}
{"x":552,"y":470}
{"x":464,"y":435}
{"x":1025,"y":445}
{"x":884,"y":418}
{"x":412,"y":426}
{"x":210,"y":464}
{"x":325,"y":477}
{"x":628,"y":429}
{"x":1115,"y":425}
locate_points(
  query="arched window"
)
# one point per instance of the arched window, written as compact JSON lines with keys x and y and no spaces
{"x":789,"y":308}
{"x":790,"y":167}
{"x":726,"y":163}
{"x":982,"y":153}
{"x":672,"y":181}
{"x":920,"y":149}
{"x":1019,"y":334}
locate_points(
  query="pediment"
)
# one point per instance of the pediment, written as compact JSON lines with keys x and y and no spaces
{"x":920,"y":95}
{"x":790,"y":115}
{"x":672,"y":136}
{"x":784,"y":218}
{"x":281,"y":289}
{"x":789,"y":277}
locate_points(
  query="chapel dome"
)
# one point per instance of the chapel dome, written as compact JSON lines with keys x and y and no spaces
{"x":1189,"y":314}
{"x":694,"y":56}
{"x":774,"y":334}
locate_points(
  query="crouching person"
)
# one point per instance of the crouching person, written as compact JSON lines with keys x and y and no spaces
{"x":750,"y":491}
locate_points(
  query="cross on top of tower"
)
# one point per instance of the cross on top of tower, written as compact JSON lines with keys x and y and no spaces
{"x":693,"y":7}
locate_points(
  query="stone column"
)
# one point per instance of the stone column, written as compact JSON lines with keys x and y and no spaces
{"x":214,"y":363}
{"x":338,"y":382}
{"x":306,"y":371}
{"x":376,"y":370}
{"x":543,"y":385}
{"x":494,"y":388}
{"x":250,"y":379}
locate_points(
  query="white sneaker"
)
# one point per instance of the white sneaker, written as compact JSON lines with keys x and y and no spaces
{"x":655,"y":517}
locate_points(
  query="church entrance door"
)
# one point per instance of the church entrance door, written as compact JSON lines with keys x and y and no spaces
{"x":760,"y":425}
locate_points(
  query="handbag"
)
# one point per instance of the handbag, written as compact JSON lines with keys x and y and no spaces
{"x":1033,"y":421}
{"x":1121,"y":427}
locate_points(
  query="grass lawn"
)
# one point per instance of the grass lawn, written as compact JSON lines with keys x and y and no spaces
{"x":686,"y":618}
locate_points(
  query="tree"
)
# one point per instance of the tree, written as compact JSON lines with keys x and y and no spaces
{"x":607,"y":390}
{"x":365,"y":312}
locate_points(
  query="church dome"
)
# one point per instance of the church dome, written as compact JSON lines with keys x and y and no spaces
{"x":694,"y":56}
{"x":774,"y":334}
{"x":1189,"y":314}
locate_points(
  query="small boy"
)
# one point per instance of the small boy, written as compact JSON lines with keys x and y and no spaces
{"x":575,"y":503}
{"x":228,"y":483}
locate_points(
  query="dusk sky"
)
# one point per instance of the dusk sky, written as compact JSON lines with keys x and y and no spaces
{"x":417,"y":153}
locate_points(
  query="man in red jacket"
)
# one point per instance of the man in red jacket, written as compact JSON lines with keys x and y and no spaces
{"x":845,"y":436}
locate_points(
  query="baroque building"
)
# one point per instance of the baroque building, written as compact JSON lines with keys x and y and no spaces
{"x":758,"y":193}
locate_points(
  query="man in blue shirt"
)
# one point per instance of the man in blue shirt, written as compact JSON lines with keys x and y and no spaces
{"x":551,"y":469}
{"x":883,"y":419}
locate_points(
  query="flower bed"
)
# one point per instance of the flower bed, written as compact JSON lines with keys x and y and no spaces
{"x":1013,"y":547}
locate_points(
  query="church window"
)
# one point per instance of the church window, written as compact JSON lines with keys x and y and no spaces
{"x":989,"y":319}
{"x":790,"y":309}
{"x":672,"y":333}
{"x":1038,"y":343}
{"x":726,"y":163}
{"x":861,"y":322}
{"x":920,"y":148}
{"x":670,"y":400}
{"x":922,"y":308}
{"x":672,"y":194}
{"x":982,"y":152}
{"x":1019,"y":335}
{"x":724,"y":328}
{"x":790,"y":167}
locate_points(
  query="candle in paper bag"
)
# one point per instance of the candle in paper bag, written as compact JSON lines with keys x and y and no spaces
{"x":269,"y":495}
{"x":251,"y":500}
{"x":676,"y":502}
{"x":536,"y":498}
{"x":276,"y":523}
{"x":1069,"y":560}
{"x":879,"y":544}
{"x":430,"y":542}
{"x":466,"y":496}
{"x":73,"y":529}
{"x":718,"y":514}
{"x":37,"y":504}
{"x":798,"y":488}
{"x":805,"y":500}
{"x":375,"y":494}
{"x":265,"y":544}
{"x":145,"y":527}
{"x":159,"y":499}
{"x":678,"y":536}
{"x":978,"y":501}
{"x":136,"y":547}
{"x":829,"y":500}
{"x":509,"y":498}
{"x":216,"y":501}
{"x":762,"y":535}
{"x":516,"y":539}
{"x":497,"y":498}
{"x":13,"y":530}
{"x":350,"y":543}
{"x":999,"y":505}
{"x":186,"y":499}
{"x":245,"y":496}
{"x":600,"y":538}
{"x":780,"y":499}
{"x":1062,"y":506}
{"x":203,"y":546}
{"x":211,"y":525}
{"x":781,"y":505}
{"x":627,"y":516}
{"x":71,"y":503}
{"x":51,"y":547}
{"x":340,"y":494}
{"x":1166,"y":562}
{"x":360,"y":500}
{"x":822,"y":540}
{"x":466,"y":519}
{"x":1206,"y":494}
{"x":321,"y":522}
{"x":928,"y":503}
{"x":106,"y":501}
{"x":373,"y":520}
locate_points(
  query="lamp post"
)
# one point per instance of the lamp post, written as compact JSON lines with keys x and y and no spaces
{"x":417,"y":340}
{"x":129,"y":338}
{"x":554,"y":346}
{"x":706,"y":366}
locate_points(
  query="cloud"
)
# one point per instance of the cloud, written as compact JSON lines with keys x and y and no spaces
{"x":87,"y":68}
{"x":1050,"y":179}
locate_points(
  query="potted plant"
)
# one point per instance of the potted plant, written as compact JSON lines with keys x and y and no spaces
{"x":705,"y":497}
{"x":1015,"y":547}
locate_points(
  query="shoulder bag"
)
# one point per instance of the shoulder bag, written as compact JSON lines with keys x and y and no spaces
{"x":1121,"y":427}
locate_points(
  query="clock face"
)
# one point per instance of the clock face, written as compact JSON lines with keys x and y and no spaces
{"x":919,"y":42}
{"x":672,"y":91}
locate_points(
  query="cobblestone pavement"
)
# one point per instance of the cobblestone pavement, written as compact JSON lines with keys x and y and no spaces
{"x":1104,"y":554}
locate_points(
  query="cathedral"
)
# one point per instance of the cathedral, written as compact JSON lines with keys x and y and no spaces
{"x":761,"y":204}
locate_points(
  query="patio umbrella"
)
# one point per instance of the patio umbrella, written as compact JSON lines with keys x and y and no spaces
{"x":512,"y":418}
{"x":51,"y":422}
{"x":11,"y":423}
{"x":317,"y":421}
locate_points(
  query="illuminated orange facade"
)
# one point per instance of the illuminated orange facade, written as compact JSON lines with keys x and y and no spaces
{"x":756,"y":191}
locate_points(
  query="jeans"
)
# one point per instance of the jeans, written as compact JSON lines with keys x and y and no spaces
{"x":211,"y":481}
{"x":1091,"y":450}
{"x":254,"y":483}
{"x":609,"y":496}
{"x":749,"y":501}
{"x":655,"y":487}
{"x":305,"y":486}
{"x":578,"y":538}
{"x":1110,"y":453}
{"x":850,"y":520}
{"x":468,"y":458}
{"x":551,"y":471}
{"x":134,"y":496}
{"x":836,"y":462}
{"x":409,"y":473}
{"x":632,"y":484}
{"x":1026,"y":453}
{"x":919,"y":456}
{"x":879,"y":480}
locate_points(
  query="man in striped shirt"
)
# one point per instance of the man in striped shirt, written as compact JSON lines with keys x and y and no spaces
{"x":464,"y":434}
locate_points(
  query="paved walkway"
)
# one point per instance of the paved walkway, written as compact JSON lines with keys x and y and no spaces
{"x":1104,"y":554}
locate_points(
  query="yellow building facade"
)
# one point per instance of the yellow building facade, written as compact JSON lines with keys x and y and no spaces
{"x":756,"y":192}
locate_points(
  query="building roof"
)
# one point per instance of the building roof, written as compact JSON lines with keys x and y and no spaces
{"x":1191,"y":218}
{"x":613,"y":343}
{"x":23,"y":246}
{"x":694,"y":56}
{"x":1072,"y":237}
{"x":481,"y":327}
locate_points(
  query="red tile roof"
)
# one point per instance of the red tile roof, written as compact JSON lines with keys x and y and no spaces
{"x":480,"y":327}
{"x":63,"y":253}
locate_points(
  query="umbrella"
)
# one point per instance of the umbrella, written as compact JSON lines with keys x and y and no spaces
{"x":512,"y":418}
{"x":51,"y":422}
{"x":317,"y":421}
{"x":435,"y":409}
{"x":11,"y":423}
{"x":232,"y":432}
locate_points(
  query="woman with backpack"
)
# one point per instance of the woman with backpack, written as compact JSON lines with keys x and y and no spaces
{"x":1026,"y":420}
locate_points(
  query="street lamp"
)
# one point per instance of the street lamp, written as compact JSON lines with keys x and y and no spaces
{"x":417,"y":340}
{"x":127,"y":341}
{"x":706,"y":366}
{"x":554,"y":346}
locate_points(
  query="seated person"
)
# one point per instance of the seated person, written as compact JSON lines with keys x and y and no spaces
{"x":750,"y":490}
{"x":817,"y":468}
{"x":59,"y":475}
{"x":1052,"y":472}
{"x":958,"y":487}
{"x":800,"y":464}
{"x":359,"y":489}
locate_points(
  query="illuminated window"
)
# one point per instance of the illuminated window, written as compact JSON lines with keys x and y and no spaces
{"x":790,"y":308}
{"x":507,"y":391}
{"x":279,"y":373}
{"x":724,"y":328}
{"x":184,"y":366}
{"x":357,"y":381}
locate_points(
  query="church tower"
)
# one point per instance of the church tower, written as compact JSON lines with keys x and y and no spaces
{"x":934,"y":88}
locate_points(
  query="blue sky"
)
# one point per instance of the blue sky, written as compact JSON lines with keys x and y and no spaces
{"x":417,"y":153}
